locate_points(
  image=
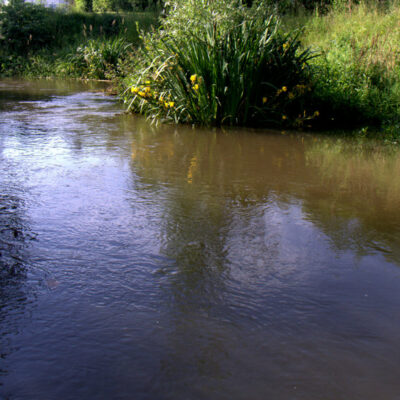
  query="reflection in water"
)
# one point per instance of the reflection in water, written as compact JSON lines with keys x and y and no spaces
{"x":192,"y":263}
{"x":243,"y":222}
{"x":349,"y":185}
{"x":360,"y":212}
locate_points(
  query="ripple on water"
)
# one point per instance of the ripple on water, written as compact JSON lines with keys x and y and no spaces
{"x":166,"y":262}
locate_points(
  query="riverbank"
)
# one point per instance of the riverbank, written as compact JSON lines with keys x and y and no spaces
{"x":349,"y":76}
{"x":336,"y":69}
{"x":356,"y":75}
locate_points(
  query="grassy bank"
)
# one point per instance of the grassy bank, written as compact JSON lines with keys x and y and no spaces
{"x":356,"y":77}
{"x":350,"y":76}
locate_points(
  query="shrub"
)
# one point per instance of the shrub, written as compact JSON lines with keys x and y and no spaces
{"x":97,"y":59}
{"x":84,"y":5}
{"x":24,"y":27}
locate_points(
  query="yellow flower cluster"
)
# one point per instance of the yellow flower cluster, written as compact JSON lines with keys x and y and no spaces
{"x":282,"y":90}
{"x":146,"y":93}
{"x":297,"y":90}
{"x":169,"y":104}
{"x":193,"y":80}
{"x":143,"y":91}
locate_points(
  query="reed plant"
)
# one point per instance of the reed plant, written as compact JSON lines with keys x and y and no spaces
{"x":242,"y":73}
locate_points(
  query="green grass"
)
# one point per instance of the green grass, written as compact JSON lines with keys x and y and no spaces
{"x":357,"y":77}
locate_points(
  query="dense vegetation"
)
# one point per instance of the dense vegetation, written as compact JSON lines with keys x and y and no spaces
{"x":260,"y":62}
{"x":36,"y":41}
{"x":231,"y":65}
{"x":356,"y":77}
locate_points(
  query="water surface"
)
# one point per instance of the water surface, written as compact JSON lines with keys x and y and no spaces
{"x":144,"y":262}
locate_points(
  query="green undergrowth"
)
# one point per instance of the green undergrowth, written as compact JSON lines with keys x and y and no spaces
{"x":36,"y":41}
{"x":356,"y":78}
{"x":100,"y":59}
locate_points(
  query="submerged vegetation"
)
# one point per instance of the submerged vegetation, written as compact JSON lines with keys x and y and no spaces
{"x":334,"y":65}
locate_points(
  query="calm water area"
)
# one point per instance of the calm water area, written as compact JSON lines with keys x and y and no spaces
{"x":167,"y":262}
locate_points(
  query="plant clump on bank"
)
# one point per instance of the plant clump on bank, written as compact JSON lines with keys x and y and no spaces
{"x":328,"y":67}
{"x":228,"y":66}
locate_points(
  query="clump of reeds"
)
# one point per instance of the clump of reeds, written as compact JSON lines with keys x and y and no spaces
{"x":214,"y":72}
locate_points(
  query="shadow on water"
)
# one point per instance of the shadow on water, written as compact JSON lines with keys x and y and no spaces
{"x":15,"y":236}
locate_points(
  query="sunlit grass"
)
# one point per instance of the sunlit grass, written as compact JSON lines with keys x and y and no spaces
{"x":357,"y":77}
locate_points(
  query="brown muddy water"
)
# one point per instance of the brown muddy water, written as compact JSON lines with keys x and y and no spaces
{"x":143,"y":262}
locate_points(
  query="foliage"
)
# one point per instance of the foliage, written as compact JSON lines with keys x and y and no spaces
{"x":27,"y":27}
{"x":97,"y":59}
{"x":37,"y":41}
{"x":227,"y":67}
{"x":224,"y":14}
{"x":24,"y":26}
{"x":84,"y":5}
{"x":117,"y":5}
{"x":357,"y":79}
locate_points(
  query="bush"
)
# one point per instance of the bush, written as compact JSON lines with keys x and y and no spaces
{"x":84,"y":5}
{"x":39,"y":41}
{"x":231,"y":67}
{"x":97,"y":59}
{"x":24,"y":27}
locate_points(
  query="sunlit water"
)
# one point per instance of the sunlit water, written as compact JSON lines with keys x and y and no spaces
{"x":171,"y":263}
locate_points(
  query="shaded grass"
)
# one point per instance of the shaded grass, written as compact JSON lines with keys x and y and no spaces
{"x":67,"y":43}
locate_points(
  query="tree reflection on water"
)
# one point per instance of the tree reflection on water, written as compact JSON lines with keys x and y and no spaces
{"x":234,"y":206}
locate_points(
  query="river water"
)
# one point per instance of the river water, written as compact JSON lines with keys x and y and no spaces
{"x":144,"y":262}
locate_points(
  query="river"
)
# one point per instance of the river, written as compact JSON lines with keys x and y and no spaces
{"x":166,"y":262}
